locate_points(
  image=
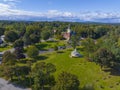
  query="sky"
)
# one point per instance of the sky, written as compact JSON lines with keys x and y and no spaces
{"x":81,"y":9}
{"x":70,"y":5}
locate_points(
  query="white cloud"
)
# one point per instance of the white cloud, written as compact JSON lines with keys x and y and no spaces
{"x":11,"y":0}
{"x":7,"y":9}
{"x":56,"y":13}
{"x":4,"y":6}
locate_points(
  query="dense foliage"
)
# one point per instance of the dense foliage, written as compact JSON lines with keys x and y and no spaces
{"x":32,"y":52}
{"x":67,"y":81}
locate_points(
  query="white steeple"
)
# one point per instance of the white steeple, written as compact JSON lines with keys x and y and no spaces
{"x":68,"y":30}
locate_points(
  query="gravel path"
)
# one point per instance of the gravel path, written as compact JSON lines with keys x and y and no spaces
{"x":5,"y":85}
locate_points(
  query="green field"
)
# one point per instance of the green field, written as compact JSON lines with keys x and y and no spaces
{"x":5,"y":48}
{"x":88,"y":72}
{"x":49,"y":44}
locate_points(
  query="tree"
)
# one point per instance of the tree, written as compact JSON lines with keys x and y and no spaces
{"x":8,"y":58}
{"x":104,"y":57}
{"x":59,"y":36}
{"x":74,"y":41}
{"x":11,"y":36}
{"x":16,"y":72}
{"x":55,"y":48}
{"x":2,"y":31}
{"x":67,"y":81}
{"x":34,"y":38}
{"x":8,"y":63}
{"x":42,"y":75}
{"x":27,"y":40}
{"x":19,"y":53}
{"x":45,"y":35}
{"x":32,"y":35}
{"x":21,"y":72}
{"x":18,"y":46}
{"x":32,"y":52}
{"x":89,"y":46}
{"x":8,"y":71}
{"x":100,"y":31}
{"x":18,"y":43}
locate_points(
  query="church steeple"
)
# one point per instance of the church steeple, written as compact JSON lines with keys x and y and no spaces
{"x":68,"y":30}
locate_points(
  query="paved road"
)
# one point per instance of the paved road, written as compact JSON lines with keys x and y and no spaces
{"x":46,"y":51}
{"x":5,"y":85}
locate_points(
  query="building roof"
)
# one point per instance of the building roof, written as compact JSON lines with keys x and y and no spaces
{"x":75,"y":54}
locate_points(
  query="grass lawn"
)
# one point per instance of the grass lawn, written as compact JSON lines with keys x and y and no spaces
{"x":5,"y":48}
{"x":88,"y":72}
{"x":47,"y":45}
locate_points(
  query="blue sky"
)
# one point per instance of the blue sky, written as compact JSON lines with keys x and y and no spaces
{"x":68,"y":5}
{"x":82,"y":9}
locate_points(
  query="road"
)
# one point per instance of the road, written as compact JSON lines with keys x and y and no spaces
{"x":5,"y":85}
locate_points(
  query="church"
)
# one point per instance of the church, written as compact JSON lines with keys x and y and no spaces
{"x":67,"y":35}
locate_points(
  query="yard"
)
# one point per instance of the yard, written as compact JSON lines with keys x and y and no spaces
{"x":88,"y":72}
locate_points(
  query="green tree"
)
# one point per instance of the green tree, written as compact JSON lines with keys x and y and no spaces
{"x":89,"y":46}
{"x":11,"y":36}
{"x":67,"y":81}
{"x":55,"y":48}
{"x":19,"y":53}
{"x":42,"y":75}
{"x":45,"y":35}
{"x":18,"y":43}
{"x":32,"y":35}
{"x":8,"y":58}
{"x":21,"y":72}
{"x":2,"y":31}
{"x":34,"y":38}
{"x":100,"y":31}
{"x":59,"y":36}
{"x":8,"y":71}
{"x":8,"y":63}
{"x":74,"y":41}
{"x":32,"y":52}
{"x":104,"y":57}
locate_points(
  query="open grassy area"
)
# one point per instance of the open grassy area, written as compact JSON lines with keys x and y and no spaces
{"x":88,"y":72}
{"x":5,"y":48}
{"x":49,"y":44}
